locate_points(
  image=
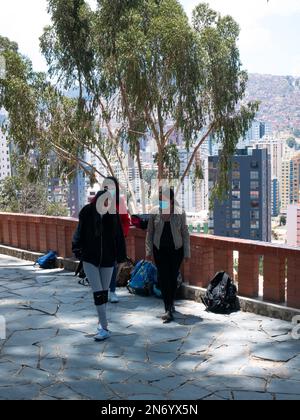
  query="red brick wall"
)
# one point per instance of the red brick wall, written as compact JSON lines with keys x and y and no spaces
{"x":38,"y":233}
{"x":210,"y":254}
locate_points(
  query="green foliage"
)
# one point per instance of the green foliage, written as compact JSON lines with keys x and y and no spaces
{"x":283,"y":221}
{"x":69,"y":41}
{"x":137,"y":62}
{"x":18,"y":195}
{"x":171,"y":161}
{"x":291,"y":142}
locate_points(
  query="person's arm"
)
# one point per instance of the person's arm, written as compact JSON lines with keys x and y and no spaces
{"x":186,"y":238}
{"x":150,"y":237}
{"x":121,"y":243}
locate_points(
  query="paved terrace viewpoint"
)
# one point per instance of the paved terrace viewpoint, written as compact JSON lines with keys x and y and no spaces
{"x":49,"y":351}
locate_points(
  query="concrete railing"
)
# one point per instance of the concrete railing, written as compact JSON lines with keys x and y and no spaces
{"x":259,"y":266}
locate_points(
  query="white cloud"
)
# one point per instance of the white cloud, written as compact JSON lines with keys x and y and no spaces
{"x":248,"y":11}
{"x":255,"y":17}
{"x":23,"y":22}
{"x":296,"y":66}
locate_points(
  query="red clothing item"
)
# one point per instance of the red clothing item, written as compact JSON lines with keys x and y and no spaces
{"x":124,"y":216}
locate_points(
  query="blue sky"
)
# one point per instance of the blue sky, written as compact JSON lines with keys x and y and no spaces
{"x":268,"y":42}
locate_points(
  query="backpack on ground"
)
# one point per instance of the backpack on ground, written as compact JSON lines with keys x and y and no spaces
{"x":143,"y":278}
{"x":47,"y":262}
{"x":124,"y":273}
{"x":221,"y":296}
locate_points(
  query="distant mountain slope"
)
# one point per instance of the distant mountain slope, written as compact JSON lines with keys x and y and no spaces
{"x":280,"y":99}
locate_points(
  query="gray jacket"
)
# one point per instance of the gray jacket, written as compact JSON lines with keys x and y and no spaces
{"x":179,"y":229}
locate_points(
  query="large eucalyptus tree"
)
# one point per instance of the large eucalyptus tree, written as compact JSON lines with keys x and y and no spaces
{"x":139,"y":68}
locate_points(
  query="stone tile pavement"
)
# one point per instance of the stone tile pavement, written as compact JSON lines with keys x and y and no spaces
{"x":49,"y":352}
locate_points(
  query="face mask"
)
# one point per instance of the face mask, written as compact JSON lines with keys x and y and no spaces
{"x":164,"y":205}
{"x":113,"y":193}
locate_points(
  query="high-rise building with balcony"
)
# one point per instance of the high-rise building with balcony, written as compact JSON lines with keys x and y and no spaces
{"x":290,"y":182}
{"x":293,"y":225}
{"x":246,"y":213}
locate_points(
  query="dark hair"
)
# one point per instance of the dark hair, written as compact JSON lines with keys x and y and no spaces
{"x":117,"y":185}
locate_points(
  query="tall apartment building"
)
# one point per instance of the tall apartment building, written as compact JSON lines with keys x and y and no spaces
{"x":293,"y":225}
{"x":256,"y":132}
{"x":275,"y":197}
{"x":290,"y":182}
{"x":246,"y":213}
{"x":278,"y":150}
{"x":5,"y":163}
{"x":285,"y":184}
{"x":295,"y":180}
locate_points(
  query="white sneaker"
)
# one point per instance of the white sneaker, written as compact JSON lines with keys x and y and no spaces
{"x":102,"y":335}
{"x":114,"y":298}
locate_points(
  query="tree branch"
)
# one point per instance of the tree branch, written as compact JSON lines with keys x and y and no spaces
{"x":194,"y":155}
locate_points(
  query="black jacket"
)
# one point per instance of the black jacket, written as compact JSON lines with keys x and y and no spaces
{"x":99,"y":240}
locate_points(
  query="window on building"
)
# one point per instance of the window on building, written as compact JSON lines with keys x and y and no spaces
{"x":236,"y":195}
{"x":236,"y":233}
{"x":236,"y":214}
{"x":236,"y":175}
{"x":236,"y":204}
{"x":236,"y":224}
{"x":254,"y":224}
{"x":254,"y":185}
{"x":254,"y":204}
{"x":236,"y":185}
{"x":254,"y":195}
{"x":254,"y":164}
{"x":254,"y":215}
{"x":236,"y":166}
{"x":254,"y":175}
{"x":254,"y":234}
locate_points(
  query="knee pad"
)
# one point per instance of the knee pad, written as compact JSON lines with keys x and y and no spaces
{"x":101,"y":298}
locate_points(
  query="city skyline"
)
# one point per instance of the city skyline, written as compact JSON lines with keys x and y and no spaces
{"x":266,"y":28}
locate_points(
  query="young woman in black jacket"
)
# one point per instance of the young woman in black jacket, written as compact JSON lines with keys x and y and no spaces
{"x":99,"y":242}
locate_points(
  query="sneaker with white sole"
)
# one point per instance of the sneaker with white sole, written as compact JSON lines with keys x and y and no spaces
{"x":102,"y":335}
{"x":114,"y":298}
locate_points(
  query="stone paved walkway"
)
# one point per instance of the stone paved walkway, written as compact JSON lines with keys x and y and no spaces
{"x":49,"y":352}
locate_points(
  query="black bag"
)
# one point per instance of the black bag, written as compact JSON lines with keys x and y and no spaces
{"x":81,"y":274}
{"x":221,"y":296}
{"x":140,"y":221}
{"x":124,"y":273}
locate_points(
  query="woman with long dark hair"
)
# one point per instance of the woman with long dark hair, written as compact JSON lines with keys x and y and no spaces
{"x":99,"y":242}
{"x":168,"y":243}
{"x":111,"y":184}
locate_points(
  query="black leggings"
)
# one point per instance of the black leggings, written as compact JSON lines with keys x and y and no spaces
{"x":168,"y":262}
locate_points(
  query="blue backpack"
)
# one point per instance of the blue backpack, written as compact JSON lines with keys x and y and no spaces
{"x":48,"y":261}
{"x":143,"y":279}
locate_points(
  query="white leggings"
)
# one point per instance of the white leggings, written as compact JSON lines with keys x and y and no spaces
{"x":100,"y":279}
